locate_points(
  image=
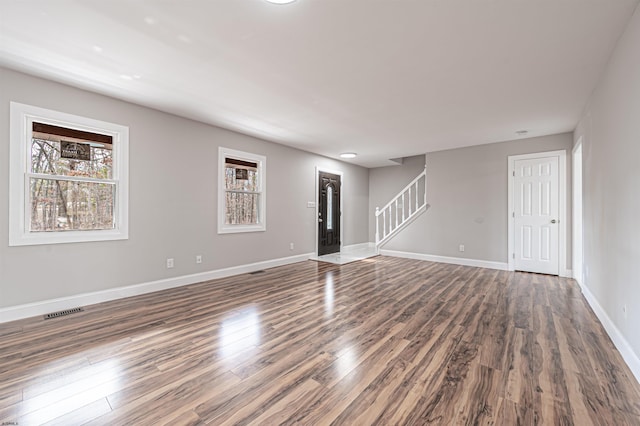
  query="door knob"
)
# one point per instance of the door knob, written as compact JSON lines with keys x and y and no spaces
{"x":319,"y":220}
{"x":553,"y":221}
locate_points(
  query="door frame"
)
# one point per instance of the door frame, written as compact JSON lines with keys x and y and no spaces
{"x":562,"y":207}
{"x":317,"y":204}
{"x":577,"y":234}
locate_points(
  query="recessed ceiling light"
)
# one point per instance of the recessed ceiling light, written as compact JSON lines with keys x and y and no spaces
{"x":522,"y":132}
{"x":348,"y":155}
{"x":281,"y":1}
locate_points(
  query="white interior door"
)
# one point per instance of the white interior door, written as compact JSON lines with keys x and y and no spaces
{"x":536,"y":215}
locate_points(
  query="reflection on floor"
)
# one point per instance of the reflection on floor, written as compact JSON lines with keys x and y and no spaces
{"x":347,"y":255}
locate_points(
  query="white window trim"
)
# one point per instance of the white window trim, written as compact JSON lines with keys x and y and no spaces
{"x":22,"y":117}
{"x":261,"y":160}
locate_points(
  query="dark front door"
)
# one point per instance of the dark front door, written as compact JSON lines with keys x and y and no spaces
{"x":328,"y":213}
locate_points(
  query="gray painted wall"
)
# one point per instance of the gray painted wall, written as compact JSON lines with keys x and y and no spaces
{"x":610,"y":128}
{"x":467,"y":191}
{"x":172,"y":207}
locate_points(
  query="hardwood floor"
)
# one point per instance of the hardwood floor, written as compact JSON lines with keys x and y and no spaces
{"x":382,"y":341}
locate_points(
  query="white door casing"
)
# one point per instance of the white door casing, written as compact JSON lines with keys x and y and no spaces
{"x":577,"y":244}
{"x":537,"y":213}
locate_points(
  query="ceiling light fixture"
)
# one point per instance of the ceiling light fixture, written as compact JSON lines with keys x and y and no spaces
{"x":281,"y":1}
{"x":348,"y":155}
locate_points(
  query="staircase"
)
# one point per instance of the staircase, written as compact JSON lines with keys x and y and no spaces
{"x":403,"y":209}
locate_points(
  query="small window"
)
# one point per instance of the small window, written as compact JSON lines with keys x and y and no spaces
{"x":241,"y":192}
{"x":329,"y":208}
{"x":68,"y":178}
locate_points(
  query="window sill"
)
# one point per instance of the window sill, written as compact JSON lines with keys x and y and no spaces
{"x":42,"y":238}
{"x":234,"y":229}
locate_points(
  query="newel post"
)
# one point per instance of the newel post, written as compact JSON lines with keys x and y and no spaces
{"x":377,"y":227}
{"x":425,"y":183}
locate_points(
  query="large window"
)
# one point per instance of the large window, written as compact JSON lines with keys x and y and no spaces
{"x":241,"y":192}
{"x":68,"y":178}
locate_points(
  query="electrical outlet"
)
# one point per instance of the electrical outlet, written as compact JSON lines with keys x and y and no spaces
{"x":199,"y":259}
{"x":290,"y":246}
{"x":169,"y":263}
{"x":461,"y":248}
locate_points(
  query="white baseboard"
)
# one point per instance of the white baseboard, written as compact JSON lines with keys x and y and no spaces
{"x":360,"y":246}
{"x":13,"y":313}
{"x":445,"y":259}
{"x":629,"y":356}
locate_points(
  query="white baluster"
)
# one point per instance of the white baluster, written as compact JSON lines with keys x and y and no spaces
{"x":396,"y":210}
{"x":425,"y":188}
{"x":425,"y":184}
{"x":384,"y":223}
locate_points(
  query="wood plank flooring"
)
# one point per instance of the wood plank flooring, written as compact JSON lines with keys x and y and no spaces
{"x":382,"y":341}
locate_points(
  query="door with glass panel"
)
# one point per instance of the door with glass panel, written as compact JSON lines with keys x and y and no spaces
{"x":328,"y":213}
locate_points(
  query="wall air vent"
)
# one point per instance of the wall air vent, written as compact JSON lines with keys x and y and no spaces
{"x":63,"y":313}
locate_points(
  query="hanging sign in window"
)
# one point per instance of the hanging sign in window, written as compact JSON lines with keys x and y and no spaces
{"x":242,"y":174}
{"x":75,"y":150}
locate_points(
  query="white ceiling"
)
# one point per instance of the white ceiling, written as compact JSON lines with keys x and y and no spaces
{"x":383,"y":78}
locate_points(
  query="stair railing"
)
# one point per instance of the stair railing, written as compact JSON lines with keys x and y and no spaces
{"x":402,"y":209}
